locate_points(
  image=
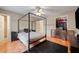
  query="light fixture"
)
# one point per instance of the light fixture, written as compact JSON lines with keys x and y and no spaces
{"x":39,"y":11}
{"x":38,"y":14}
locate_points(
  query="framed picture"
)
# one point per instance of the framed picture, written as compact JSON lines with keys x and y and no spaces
{"x":61,"y":23}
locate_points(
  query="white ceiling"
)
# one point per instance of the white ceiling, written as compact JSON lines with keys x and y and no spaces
{"x":48,"y":10}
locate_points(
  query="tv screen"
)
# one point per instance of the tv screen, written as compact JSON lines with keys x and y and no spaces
{"x":77,"y":18}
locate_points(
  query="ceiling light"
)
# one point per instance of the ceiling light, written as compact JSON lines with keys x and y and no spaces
{"x":39,"y":11}
{"x":39,"y":14}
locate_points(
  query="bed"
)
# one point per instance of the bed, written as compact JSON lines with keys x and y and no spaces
{"x":32,"y":36}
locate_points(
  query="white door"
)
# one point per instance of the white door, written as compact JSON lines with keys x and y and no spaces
{"x":1,"y":27}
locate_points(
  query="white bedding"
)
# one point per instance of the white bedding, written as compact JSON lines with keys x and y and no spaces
{"x":23,"y":37}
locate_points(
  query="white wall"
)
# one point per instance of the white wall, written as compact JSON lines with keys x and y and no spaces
{"x":70,"y":19}
{"x":51,"y":23}
{"x":12,"y":21}
{"x":40,"y":26}
{"x":24,"y":24}
{"x":33,"y":24}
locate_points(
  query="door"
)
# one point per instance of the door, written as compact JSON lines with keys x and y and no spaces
{"x":3,"y":33}
{"x":3,"y":27}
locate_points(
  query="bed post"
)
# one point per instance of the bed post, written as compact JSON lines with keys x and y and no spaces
{"x":18,"y":26}
{"x":28,"y":31}
{"x":46,"y":28}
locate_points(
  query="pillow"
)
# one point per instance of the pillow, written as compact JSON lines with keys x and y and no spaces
{"x":26,"y":30}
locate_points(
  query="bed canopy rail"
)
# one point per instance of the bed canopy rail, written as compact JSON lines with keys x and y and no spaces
{"x":32,"y":14}
{"x":29,"y":20}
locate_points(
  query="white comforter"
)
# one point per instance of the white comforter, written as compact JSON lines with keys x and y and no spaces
{"x":23,"y":37}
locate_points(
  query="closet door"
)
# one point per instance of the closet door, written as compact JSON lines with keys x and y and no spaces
{"x":1,"y":27}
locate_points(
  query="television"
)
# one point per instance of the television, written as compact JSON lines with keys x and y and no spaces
{"x":77,"y":18}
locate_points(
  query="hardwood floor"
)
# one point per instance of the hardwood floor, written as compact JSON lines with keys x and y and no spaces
{"x":53,"y":45}
{"x":4,"y":45}
{"x":60,"y":42}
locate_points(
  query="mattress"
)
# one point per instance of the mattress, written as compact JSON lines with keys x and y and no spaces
{"x":23,"y":37}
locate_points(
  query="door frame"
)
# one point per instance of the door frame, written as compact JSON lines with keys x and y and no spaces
{"x":7,"y":31}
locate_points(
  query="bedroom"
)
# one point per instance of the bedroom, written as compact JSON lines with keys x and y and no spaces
{"x":13,"y":13}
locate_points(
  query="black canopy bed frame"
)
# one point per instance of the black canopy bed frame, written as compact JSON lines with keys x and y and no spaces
{"x":29,"y":20}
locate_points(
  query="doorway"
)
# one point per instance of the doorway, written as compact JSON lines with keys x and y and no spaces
{"x":3,"y":27}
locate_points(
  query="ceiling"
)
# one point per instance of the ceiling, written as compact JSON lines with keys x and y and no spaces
{"x":48,"y":10}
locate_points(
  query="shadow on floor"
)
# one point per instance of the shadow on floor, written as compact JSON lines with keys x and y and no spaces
{"x":74,"y":50}
{"x":49,"y":47}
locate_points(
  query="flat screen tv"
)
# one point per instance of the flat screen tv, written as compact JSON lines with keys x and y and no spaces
{"x":77,"y":18}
